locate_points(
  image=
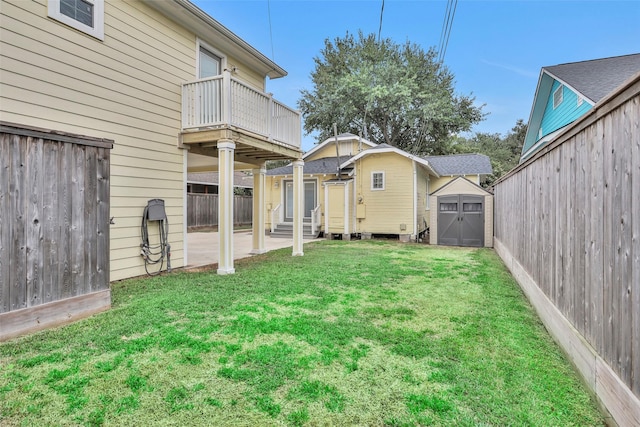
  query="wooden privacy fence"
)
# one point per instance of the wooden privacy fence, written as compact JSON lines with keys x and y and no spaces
{"x":54,"y":228}
{"x":567,"y":223}
{"x":202,"y":210}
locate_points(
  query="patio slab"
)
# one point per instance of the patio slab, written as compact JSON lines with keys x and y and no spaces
{"x":203,"y":247}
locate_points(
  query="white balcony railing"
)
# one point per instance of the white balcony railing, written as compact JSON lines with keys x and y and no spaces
{"x":225,"y":101}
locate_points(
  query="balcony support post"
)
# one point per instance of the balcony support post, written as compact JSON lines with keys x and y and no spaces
{"x":298,"y":206}
{"x":226,"y":149}
{"x":259,"y":178}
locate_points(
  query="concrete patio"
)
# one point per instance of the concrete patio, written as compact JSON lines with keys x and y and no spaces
{"x":203,"y":247}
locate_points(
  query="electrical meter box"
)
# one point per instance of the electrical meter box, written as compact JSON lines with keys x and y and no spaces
{"x":155,"y":210}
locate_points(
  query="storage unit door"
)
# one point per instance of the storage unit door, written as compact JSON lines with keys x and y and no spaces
{"x":448,"y":222}
{"x":461,"y":220}
{"x":472,"y":221}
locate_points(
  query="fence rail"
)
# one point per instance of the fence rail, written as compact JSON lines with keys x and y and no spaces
{"x":202,"y":210}
{"x":570,"y":217}
{"x":224,"y":100}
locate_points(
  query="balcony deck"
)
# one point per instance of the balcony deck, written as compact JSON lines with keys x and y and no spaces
{"x":224,"y":108}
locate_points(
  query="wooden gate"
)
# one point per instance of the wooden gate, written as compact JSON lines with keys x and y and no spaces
{"x":54,"y":228}
{"x":461,"y":220}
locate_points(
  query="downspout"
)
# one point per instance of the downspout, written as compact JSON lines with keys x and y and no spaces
{"x":415,"y":200}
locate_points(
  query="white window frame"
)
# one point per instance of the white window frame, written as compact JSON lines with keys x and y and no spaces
{"x":373,"y":188}
{"x":580,"y":100}
{"x":96,"y":31}
{"x":206,"y":46}
{"x":561,"y":97}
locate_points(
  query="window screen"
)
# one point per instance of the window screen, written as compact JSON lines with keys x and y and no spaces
{"x":448,"y":207}
{"x":472,"y":207}
{"x":79,"y":10}
{"x":377,"y":180}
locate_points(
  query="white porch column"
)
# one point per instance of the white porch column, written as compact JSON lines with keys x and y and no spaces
{"x":226,"y":150}
{"x":298,"y":206}
{"x":259,"y":178}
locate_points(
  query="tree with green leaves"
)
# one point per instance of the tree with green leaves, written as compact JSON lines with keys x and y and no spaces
{"x":388,"y":93}
{"x":504,"y":152}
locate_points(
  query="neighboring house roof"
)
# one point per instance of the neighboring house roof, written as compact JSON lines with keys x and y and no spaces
{"x":342,"y":137}
{"x":587,"y":82}
{"x":326,"y":165}
{"x":597,"y":78}
{"x":204,"y":26}
{"x":240,"y":179}
{"x":385,"y":148}
{"x":461,"y":164}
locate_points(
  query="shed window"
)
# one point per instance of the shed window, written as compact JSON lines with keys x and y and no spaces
{"x":557,"y":96}
{"x":472,"y":207}
{"x":377,"y":180}
{"x":448,"y":207}
{"x":84,"y":15}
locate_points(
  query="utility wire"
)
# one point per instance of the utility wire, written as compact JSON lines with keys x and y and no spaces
{"x":444,"y":27}
{"x":447,"y":24}
{"x":381,"y":13}
{"x":273,"y":57}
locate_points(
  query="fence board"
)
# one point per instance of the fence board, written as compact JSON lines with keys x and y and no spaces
{"x":6,"y":220}
{"x":102,"y":214}
{"x":33,"y":222}
{"x":634,"y":142}
{"x":17,"y":256}
{"x":51,"y":229}
{"x":622,"y":146}
{"x":78,"y":239}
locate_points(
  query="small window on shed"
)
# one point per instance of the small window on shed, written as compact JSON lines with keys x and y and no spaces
{"x":377,"y":180}
{"x":472,"y":207}
{"x":448,"y":207}
{"x":557,"y":96}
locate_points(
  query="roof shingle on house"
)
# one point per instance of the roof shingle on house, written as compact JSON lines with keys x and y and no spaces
{"x":460,"y":164}
{"x":327,"y":165}
{"x":596,"y":78}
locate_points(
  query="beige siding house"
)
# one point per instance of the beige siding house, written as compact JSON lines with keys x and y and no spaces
{"x":174,"y":89}
{"x":353,"y":187}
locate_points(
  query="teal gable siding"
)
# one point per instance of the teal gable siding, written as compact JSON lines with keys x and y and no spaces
{"x":563,"y":114}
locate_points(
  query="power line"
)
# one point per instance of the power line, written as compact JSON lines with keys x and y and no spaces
{"x":447,"y":13}
{"x":447,"y":24}
{"x":381,"y":13}
{"x":273,"y":57}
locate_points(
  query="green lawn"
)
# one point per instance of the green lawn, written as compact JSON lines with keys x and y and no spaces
{"x":353,"y":333}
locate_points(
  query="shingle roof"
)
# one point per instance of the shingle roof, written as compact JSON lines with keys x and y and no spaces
{"x":460,"y":164}
{"x":324,"y":165}
{"x":597,"y":78}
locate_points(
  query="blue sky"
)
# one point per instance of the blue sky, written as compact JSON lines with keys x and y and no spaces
{"x":495,"y":50}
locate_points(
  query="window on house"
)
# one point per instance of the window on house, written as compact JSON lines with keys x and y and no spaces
{"x":377,"y":180}
{"x":557,"y":96}
{"x":209,"y":64}
{"x":83,"y":15}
